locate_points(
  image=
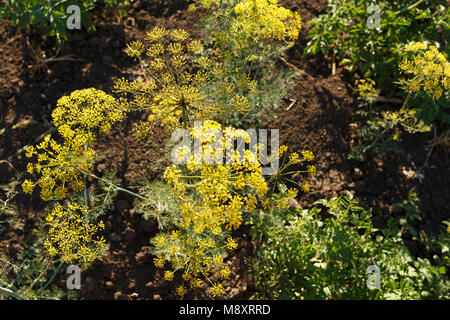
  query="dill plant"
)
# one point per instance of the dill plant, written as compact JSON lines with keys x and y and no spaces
{"x":250,"y":36}
{"x":209,"y":199}
{"x":176,"y":76}
{"x":213,"y":200}
{"x":206,"y":201}
{"x":426,"y":83}
{"x":61,"y":169}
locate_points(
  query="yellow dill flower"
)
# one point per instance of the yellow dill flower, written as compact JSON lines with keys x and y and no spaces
{"x":306,"y":186}
{"x":195,"y":283}
{"x":311,"y":171}
{"x":265,"y":19}
{"x":84,"y":111}
{"x":292,"y":193}
{"x":181,"y":291}
{"x":366,"y":89}
{"x":267,"y":203}
{"x":427,"y":69}
{"x":307,"y":155}
{"x":160,"y":241}
{"x":30,"y":152}
{"x":293,"y":158}
{"x":176,"y":94}
{"x":217,"y":290}
{"x":159,"y":262}
{"x":28,"y":186}
{"x":59,"y":166}
{"x":71,"y":236}
{"x":168,"y":275}
{"x":231,"y":244}
{"x":135,"y":49}
{"x":217,"y":259}
{"x":224,"y":273}
{"x":157,"y":34}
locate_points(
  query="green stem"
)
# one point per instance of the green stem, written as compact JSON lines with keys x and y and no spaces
{"x":58,"y":268}
{"x":11,"y":293}
{"x":117,"y":187}
{"x":410,"y":7}
{"x":403,"y":108}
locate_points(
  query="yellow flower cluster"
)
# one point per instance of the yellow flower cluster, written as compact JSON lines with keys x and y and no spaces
{"x":285,"y":170}
{"x":213,"y":196}
{"x":84,"y":111}
{"x":71,"y":237}
{"x":428,"y":68}
{"x":77,"y":118}
{"x":179,"y":73}
{"x":62,"y":166}
{"x":366,"y":89}
{"x":59,"y":167}
{"x":266,"y":19}
{"x":257,"y":19}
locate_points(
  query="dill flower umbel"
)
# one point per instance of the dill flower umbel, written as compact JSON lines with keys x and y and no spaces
{"x":71,"y":237}
{"x":59,"y":167}
{"x":84,"y":111}
{"x":216,"y":186}
{"x":79,"y":118}
{"x":175,"y":93}
{"x":366,"y":89}
{"x":257,"y":19}
{"x":427,"y":69}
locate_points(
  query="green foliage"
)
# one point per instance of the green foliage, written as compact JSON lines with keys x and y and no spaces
{"x":7,"y":205}
{"x":50,"y":17}
{"x":32,"y":275}
{"x":47,"y":16}
{"x":306,"y":256}
{"x":376,"y":52}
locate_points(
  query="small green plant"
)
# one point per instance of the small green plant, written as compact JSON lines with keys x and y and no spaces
{"x":50,"y":17}
{"x":119,"y":5}
{"x":324,"y":253}
{"x":383,"y":129}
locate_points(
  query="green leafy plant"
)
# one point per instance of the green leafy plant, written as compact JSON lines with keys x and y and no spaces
{"x":324,"y":253}
{"x":376,"y":52}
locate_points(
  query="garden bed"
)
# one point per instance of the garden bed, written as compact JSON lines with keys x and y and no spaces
{"x":318,"y":116}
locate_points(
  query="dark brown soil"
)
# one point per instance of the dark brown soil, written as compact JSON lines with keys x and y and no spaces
{"x":321,"y":120}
